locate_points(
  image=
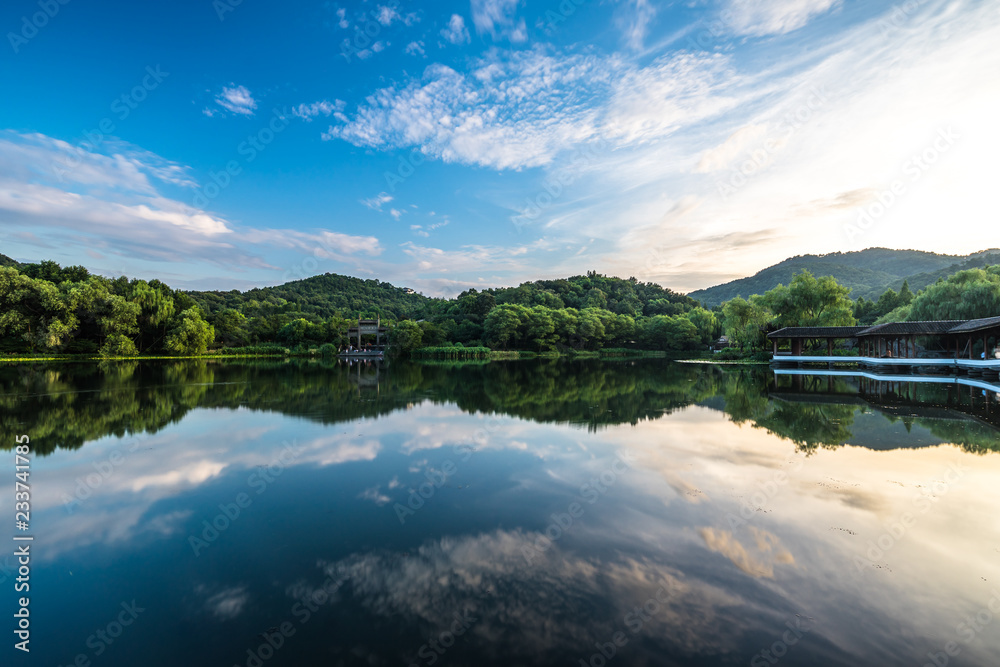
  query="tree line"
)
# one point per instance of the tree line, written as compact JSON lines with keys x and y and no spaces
{"x":46,"y":308}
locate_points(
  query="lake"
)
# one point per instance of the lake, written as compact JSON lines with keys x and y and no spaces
{"x":629,"y":512}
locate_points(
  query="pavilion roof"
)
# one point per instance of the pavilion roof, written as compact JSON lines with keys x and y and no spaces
{"x":912,"y":328}
{"x":977,"y":325}
{"x":817,"y":332}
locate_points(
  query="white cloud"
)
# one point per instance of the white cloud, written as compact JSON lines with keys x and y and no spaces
{"x":723,"y":155}
{"x":376,"y":202}
{"x":456,"y":32}
{"x":636,"y":22}
{"x":499,"y":19}
{"x":470,"y":258}
{"x":342,"y":18}
{"x":415,"y":48}
{"x":787,"y":174}
{"x":524,"y":108}
{"x":773,"y":17}
{"x":386,"y":15}
{"x":396,"y":213}
{"x":324,"y":108}
{"x":425,"y":230}
{"x":375,"y":495}
{"x":236,"y":99}
{"x":670,"y":93}
{"x":324,"y":244}
{"x":228,"y":604}
{"x":114,"y":203}
{"x":111,"y":200}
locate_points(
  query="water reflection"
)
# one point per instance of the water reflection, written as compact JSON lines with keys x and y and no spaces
{"x":552,"y":513}
{"x":69,"y":404}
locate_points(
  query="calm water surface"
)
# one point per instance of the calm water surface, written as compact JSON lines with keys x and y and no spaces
{"x":521,"y":513}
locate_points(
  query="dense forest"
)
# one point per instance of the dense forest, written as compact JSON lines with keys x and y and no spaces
{"x":46,"y":308}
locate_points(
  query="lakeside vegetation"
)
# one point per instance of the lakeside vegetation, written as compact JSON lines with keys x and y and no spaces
{"x":47,"y":310}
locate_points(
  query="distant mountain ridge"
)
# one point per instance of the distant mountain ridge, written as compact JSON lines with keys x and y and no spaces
{"x":867,"y":272}
{"x":7,"y":261}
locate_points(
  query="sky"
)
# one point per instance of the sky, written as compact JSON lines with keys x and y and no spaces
{"x":230,"y":144}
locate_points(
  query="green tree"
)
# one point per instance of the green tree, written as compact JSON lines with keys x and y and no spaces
{"x":405,"y":337}
{"x":190,"y":333}
{"x":669,"y":332}
{"x":745,"y":321}
{"x":231,"y":327}
{"x":970,"y":294}
{"x":503,"y":324}
{"x":590,"y":328}
{"x":33,"y":313}
{"x":118,"y":345}
{"x":905,"y":295}
{"x":808,"y":302}
{"x":540,"y":329}
{"x":706,"y":323}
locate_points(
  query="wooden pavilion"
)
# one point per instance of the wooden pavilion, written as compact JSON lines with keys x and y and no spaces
{"x":896,"y":343}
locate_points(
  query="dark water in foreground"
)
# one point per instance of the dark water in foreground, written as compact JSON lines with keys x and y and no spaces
{"x":521,"y":513}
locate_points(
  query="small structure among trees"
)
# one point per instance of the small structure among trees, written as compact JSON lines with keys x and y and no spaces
{"x":368,"y":328}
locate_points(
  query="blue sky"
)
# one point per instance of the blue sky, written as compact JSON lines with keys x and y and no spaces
{"x":447,"y":145}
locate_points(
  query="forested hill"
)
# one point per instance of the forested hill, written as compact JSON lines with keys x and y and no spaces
{"x":322,"y":296}
{"x":7,"y":261}
{"x":625,"y":297}
{"x":867,"y":272}
{"x":329,"y":294}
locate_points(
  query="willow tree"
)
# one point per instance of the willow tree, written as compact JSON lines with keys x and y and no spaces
{"x":966,"y":295}
{"x":811,"y":302}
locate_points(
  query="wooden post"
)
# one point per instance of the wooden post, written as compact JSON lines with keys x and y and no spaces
{"x":829,"y":346}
